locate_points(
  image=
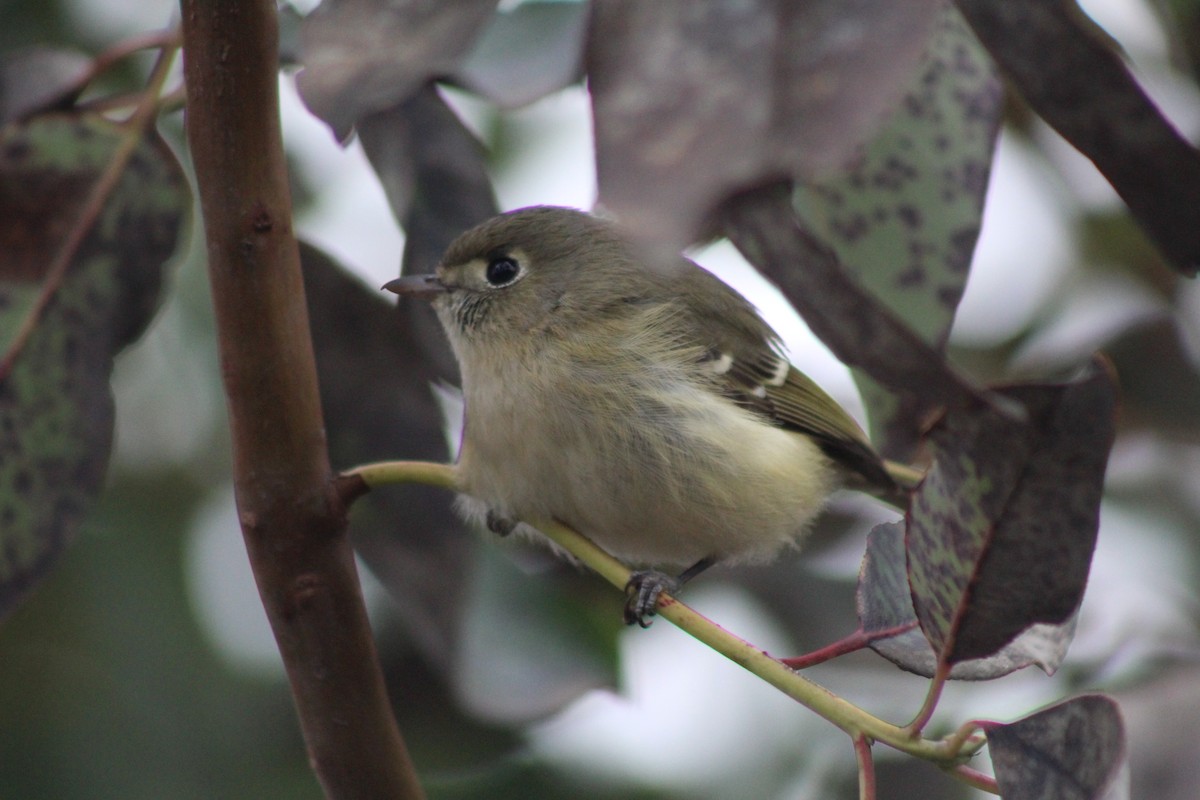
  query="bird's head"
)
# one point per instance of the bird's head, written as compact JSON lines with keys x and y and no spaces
{"x":525,"y":271}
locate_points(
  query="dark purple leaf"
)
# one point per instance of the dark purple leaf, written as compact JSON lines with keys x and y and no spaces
{"x":1070,"y":751}
{"x":1002,"y":529}
{"x":433,"y":171}
{"x":883,"y":600}
{"x":379,"y":405}
{"x":886,"y":616}
{"x":1160,"y":381}
{"x":849,"y":320}
{"x":527,"y":53}
{"x":1078,"y":83}
{"x":363,"y":56}
{"x":558,"y":625}
{"x":682,"y":107}
{"x":694,"y":101}
{"x":905,"y":215}
{"x":59,"y":333}
{"x":840,"y":69}
{"x":291,"y":22}
{"x":436,"y":180}
{"x":39,"y":78}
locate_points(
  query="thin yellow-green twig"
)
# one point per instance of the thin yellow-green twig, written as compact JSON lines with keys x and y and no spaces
{"x":423,"y":472}
{"x":858,"y":723}
{"x":965,"y":740}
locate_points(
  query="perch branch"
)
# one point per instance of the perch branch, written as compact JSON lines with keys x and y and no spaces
{"x":292,"y":519}
{"x":947,"y":753}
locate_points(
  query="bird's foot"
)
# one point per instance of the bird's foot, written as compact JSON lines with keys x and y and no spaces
{"x":642,"y":593}
{"x":497,"y":524}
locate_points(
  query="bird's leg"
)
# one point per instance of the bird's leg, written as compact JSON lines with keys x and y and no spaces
{"x":498,"y":524}
{"x":645,"y":586}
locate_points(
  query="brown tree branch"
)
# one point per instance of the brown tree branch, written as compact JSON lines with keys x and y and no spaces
{"x":292,"y":519}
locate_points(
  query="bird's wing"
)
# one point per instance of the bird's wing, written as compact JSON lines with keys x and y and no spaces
{"x":761,"y":379}
{"x":744,"y":355}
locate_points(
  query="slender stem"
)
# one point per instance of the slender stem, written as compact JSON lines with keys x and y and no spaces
{"x":849,"y":644}
{"x":173,"y":100}
{"x":841,"y":713}
{"x":866,"y":768}
{"x":845,"y":715}
{"x":293,"y":522}
{"x":964,"y":741}
{"x":166,"y":39}
{"x":133,"y":130}
{"x":940,"y":676}
{"x":973,"y":777}
{"x":423,"y":472}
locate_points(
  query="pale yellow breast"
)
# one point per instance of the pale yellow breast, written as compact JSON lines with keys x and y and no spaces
{"x":631,"y":446}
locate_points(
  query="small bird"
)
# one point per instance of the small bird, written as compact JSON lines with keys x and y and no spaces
{"x":649,"y":408}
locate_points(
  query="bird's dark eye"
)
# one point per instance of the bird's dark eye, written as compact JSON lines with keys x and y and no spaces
{"x":502,"y":270}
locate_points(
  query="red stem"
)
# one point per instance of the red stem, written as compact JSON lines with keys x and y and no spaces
{"x":852,"y":643}
{"x":934,"y":694}
{"x":974,"y":777}
{"x":866,"y":767}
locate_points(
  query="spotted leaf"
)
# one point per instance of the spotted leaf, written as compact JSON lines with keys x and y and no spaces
{"x":60,"y":328}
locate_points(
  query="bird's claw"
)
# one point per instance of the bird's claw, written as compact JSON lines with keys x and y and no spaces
{"x":642,"y":593}
{"x":497,"y":524}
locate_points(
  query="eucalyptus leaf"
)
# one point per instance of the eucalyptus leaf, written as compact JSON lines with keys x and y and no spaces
{"x":850,"y":320}
{"x":1002,"y":529}
{"x":904,"y":216}
{"x":530,"y":644}
{"x":1073,"y":750}
{"x":527,"y":53}
{"x":695,"y":101}
{"x":408,"y":535}
{"x":59,"y":331}
{"x":363,"y":56}
{"x":1072,"y":75}
{"x":434,"y":172}
{"x":39,"y":78}
{"x":886,"y":616}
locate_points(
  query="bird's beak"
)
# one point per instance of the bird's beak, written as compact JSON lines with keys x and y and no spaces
{"x":426,"y":286}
